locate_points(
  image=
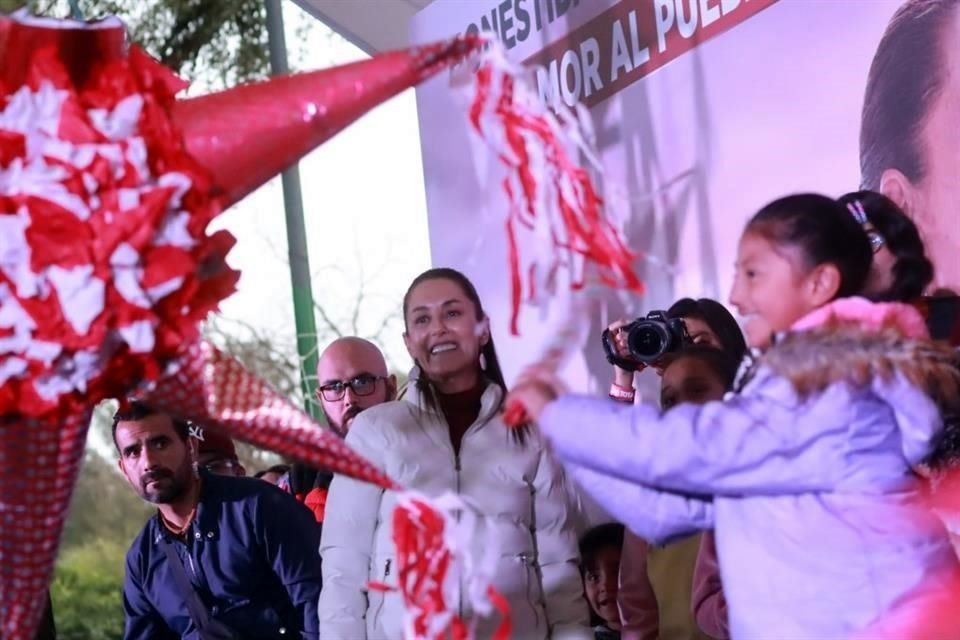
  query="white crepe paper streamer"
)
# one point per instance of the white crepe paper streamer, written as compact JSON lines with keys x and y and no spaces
{"x":15,"y":253}
{"x":37,"y":116}
{"x":552,"y":282}
{"x":121,"y":123}
{"x":82,"y":295}
{"x":174,"y":231}
{"x":465,"y":530}
{"x":127,"y":273}
{"x":139,"y":335}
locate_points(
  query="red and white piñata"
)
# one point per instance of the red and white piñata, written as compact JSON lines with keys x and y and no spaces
{"x":106,"y":269}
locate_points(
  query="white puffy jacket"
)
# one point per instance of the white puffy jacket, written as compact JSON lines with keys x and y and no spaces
{"x":519,"y":488}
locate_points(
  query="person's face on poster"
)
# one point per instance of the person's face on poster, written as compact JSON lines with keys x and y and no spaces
{"x":939,"y":193}
{"x":933,"y":200}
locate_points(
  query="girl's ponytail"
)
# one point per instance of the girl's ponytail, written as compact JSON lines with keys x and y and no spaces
{"x":912,"y":270}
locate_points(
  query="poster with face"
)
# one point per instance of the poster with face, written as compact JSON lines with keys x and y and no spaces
{"x":703,"y":111}
{"x":910,"y":126}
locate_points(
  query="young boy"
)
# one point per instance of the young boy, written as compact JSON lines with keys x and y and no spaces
{"x":600,"y":561}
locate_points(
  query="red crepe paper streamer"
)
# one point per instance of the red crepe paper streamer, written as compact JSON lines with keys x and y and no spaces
{"x":548,"y":193}
{"x":515,"y":415}
{"x":424,"y":561}
{"x":545,"y":186}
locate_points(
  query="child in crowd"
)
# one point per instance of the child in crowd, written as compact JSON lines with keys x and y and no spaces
{"x":600,"y":551}
{"x":697,"y":375}
{"x":806,"y":474}
{"x":654,"y":594}
{"x":659,"y":583}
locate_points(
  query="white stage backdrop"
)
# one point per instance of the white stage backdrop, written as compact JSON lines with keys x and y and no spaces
{"x":704,"y":111}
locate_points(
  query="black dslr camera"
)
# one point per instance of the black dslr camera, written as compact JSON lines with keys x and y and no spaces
{"x":648,"y":340}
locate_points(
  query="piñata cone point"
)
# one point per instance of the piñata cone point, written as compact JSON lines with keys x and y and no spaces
{"x":248,"y":134}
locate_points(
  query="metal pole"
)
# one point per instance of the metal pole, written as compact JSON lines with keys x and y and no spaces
{"x":296,"y":233}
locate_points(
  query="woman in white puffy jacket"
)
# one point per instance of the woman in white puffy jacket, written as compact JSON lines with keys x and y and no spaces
{"x":446,"y":434}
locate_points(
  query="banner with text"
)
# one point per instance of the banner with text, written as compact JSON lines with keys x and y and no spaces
{"x":704,"y":110}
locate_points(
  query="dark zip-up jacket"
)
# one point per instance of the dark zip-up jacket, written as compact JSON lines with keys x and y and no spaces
{"x":251,"y":554}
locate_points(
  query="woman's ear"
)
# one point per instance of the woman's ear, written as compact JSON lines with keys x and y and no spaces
{"x":483,"y":331}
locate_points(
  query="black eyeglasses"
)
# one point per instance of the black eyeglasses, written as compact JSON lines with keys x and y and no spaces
{"x":221,"y":467}
{"x":362,"y":385}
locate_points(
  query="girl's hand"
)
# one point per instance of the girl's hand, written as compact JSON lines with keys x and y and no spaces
{"x":537,"y":387}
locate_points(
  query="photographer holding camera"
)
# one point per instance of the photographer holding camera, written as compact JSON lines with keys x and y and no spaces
{"x":656,"y":583}
{"x":633,"y":346}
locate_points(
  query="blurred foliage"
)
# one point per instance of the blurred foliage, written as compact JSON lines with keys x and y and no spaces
{"x":105,"y":517}
{"x":87,"y":589}
{"x":226,"y":39}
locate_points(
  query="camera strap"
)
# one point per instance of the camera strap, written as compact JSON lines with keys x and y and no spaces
{"x":208,"y":627}
{"x":611,"y":352}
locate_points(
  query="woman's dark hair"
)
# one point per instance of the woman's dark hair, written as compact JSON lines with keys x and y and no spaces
{"x":597,"y":538}
{"x":493,"y":372}
{"x":906,"y":78}
{"x":912,"y":271}
{"x":720,"y":321}
{"x":824,"y":231}
{"x":279,"y":469}
{"x":945,"y":455}
{"x":720,"y":362}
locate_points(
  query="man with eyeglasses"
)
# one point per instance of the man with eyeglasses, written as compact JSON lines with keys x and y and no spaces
{"x":351,"y":376}
{"x":223,"y":557}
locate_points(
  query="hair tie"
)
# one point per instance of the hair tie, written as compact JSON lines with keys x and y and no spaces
{"x":858,"y":212}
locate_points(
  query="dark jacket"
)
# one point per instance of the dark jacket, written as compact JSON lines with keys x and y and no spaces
{"x":252,"y":554}
{"x":943,"y":318}
{"x":47,"y":630}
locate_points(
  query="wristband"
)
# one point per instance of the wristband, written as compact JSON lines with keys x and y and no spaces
{"x":622,"y":393}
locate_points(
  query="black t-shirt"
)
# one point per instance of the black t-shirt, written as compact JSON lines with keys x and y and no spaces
{"x":943,"y":318}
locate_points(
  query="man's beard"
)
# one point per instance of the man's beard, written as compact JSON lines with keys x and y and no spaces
{"x":348,"y":417}
{"x":172,"y":486}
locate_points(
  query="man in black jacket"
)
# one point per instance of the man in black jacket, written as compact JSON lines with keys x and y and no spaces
{"x":224,"y":556}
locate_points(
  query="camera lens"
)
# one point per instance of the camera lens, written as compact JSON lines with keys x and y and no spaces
{"x":646,"y":342}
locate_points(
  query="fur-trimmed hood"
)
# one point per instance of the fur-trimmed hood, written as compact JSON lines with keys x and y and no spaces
{"x":841,"y":351}
{"x":883,"y":348}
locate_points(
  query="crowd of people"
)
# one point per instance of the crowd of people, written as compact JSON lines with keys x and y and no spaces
{"x":779,"y":465}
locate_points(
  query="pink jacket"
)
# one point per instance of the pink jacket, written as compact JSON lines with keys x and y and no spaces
{"x":709,"y":603}
{"x":635,"y":597}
